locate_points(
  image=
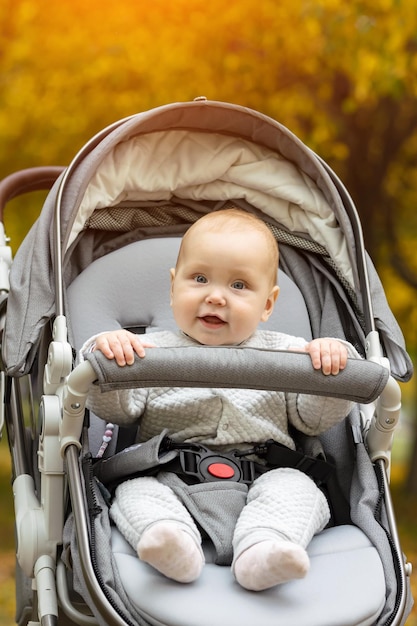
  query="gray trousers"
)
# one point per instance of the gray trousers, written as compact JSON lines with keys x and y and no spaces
{"x":282,"y":504}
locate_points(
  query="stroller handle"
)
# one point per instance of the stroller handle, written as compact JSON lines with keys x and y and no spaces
{"x":251,"y":368}
{"x":223,"y":367}
{"x":25,"y":181}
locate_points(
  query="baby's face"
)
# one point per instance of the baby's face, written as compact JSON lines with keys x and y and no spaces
{"x":222,"y":286}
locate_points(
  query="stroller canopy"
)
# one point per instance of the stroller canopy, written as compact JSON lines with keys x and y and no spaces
{"x":156,"y":172}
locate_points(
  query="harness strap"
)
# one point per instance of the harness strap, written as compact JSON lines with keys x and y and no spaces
{"x":277,"y":455}
{"x":141,"y":459}
{"x":196,"y":463}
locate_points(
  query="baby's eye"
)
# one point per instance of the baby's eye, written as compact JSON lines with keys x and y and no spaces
{"x":238,"y":284}
{"x":200,"y":278}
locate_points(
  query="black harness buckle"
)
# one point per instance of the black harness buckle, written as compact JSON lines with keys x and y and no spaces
{"x":204,"y":465}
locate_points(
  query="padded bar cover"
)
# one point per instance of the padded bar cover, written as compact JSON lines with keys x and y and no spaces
{"x":250,"y":368}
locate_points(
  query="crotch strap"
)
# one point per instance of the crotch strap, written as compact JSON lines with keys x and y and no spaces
{"x":214,"y":506}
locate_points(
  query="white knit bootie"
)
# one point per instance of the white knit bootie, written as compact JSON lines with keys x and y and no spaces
{"x":172,"y":551}
{"x":270,"y":563}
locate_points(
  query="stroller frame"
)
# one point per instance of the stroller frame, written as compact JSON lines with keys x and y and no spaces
{"x":40,"y":505}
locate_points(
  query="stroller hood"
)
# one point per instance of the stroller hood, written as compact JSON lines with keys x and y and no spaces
{"x":199,"y":156}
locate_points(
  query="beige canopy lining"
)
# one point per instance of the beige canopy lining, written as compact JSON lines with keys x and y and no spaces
{"x":170,"y":166}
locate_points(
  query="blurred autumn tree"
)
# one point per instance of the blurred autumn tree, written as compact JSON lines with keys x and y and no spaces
{"x":341,"y":75}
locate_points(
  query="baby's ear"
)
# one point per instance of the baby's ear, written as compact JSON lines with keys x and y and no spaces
{"x":172,"y":277}
{"x":269,"y":305}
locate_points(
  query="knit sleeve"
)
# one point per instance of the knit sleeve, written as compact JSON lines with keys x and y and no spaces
{"x":126,"y":406}
{"x":121,"y":406}
{"x":309,"y":414}
{"x":313,"y":415}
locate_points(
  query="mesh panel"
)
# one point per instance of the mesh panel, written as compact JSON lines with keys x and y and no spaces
{"x":128,"y":216}
{"x":297,"y":241}
{"x":124,"y":218}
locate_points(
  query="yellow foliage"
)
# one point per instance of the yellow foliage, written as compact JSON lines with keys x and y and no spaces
{"x":70,"y":68}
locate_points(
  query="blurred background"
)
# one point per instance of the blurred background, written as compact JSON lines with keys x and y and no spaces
{"x":341,"y":75}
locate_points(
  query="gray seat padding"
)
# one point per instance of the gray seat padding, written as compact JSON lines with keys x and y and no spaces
{"x":345,"y":585}
{"x":131,"y":287}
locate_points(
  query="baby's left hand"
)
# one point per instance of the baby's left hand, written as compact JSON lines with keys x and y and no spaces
{"x":329,"y":355}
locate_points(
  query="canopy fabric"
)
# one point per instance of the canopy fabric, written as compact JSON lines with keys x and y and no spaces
{"x":201,"y":155}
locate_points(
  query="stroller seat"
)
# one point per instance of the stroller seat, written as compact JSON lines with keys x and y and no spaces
{"x":342,"y":558}
{"x":98,"y":259}
{"x":109,"y":294}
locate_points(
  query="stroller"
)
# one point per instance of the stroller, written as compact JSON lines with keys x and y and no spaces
{"x":107,"y":234}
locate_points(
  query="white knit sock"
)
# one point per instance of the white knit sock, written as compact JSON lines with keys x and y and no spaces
{"x":172,"y":551}
{"x":270,"y":563}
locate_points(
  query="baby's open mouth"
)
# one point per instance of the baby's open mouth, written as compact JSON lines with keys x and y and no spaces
{"x":212,"y":320}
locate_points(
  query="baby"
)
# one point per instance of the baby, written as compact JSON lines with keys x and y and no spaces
{"x":224,"y":284}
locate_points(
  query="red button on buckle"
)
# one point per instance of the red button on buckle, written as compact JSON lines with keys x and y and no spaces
{"x":221,"y":470}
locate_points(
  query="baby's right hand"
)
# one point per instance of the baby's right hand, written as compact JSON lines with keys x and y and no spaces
{"x":121,"y":345}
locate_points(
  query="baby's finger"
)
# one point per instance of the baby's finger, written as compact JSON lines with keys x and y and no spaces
{"x":321,"y":355}
{"x":138,"y":346}
{"x":326,"y":360}
{"x":148,"y":344}
{"x":338,"y":358}
{"x":314,"y":349}
{"x":122,"y":350}
{"x":102,"y":344}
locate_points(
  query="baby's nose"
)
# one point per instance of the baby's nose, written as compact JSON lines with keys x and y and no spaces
{"x":216,"y":296}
